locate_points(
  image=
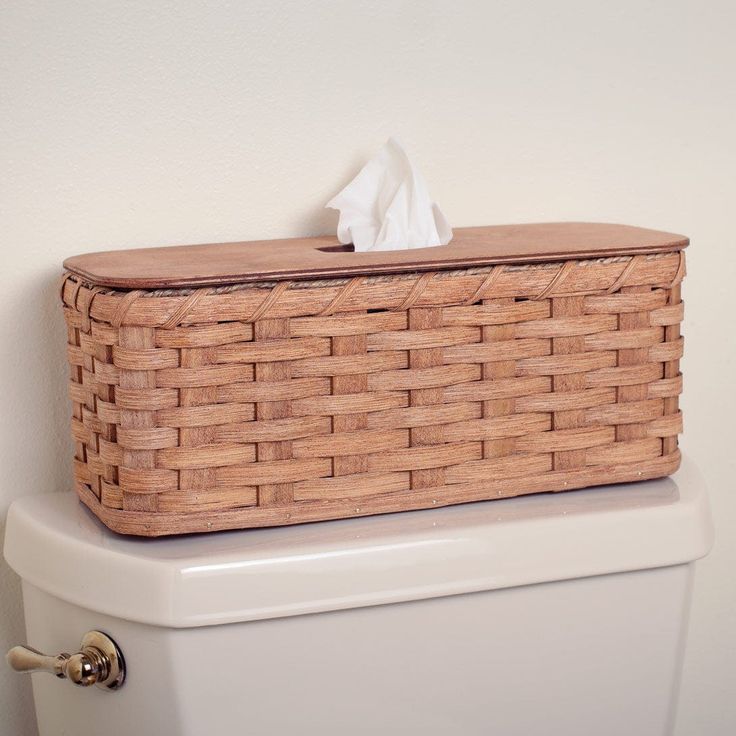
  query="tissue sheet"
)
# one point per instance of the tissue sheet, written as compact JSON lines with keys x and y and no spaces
{"x":387,"y":206}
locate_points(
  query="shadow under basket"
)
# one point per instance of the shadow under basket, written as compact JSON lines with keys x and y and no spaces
{"x":259,"y":384}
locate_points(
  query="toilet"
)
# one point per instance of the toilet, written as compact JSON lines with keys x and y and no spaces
{"x":548,"y":614}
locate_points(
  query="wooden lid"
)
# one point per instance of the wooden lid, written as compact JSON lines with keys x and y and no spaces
{"x":323,"y":257}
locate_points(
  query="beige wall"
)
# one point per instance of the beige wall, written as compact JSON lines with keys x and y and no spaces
{"x":145,"y":123}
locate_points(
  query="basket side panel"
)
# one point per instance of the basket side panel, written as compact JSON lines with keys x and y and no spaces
{"x":261,"y":406}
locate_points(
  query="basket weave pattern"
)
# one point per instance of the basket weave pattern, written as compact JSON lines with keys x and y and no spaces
{"x":297,"y":401}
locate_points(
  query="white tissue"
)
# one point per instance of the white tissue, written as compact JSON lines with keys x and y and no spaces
{"x":387,"y":206}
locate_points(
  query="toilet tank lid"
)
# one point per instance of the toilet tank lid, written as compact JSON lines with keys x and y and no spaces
{"x":55,"y":544}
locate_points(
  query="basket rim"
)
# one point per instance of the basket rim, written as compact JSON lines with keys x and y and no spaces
{"x":322,"y":258}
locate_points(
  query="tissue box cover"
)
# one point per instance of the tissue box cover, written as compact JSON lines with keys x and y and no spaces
{"x":258,"y":384}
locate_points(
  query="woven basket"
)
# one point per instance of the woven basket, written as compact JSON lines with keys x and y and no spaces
{"x":244,"y":385}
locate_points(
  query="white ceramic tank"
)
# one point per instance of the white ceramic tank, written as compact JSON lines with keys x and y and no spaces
{"x":553,"y":614}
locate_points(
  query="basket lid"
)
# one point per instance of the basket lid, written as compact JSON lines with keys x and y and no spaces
{"x":323,"y":257}
{"x":54,"y":543}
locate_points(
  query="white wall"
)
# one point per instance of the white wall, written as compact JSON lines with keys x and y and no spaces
{"x":146,"y":123}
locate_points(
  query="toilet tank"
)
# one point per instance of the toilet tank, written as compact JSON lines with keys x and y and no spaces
{"x":552,"y":614}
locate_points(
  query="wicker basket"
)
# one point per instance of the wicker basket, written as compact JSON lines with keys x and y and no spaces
{"x":244,"y":385}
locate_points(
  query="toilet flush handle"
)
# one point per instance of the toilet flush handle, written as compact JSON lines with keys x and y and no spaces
{"x":99,"y":662}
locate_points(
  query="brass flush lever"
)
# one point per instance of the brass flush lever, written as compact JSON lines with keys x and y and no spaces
{"x":99,"y":662}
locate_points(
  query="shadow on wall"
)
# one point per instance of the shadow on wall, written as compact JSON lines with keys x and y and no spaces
{"x":320,"y":220}
{"x":36,"y":440}
{"x":35,"y":448}
{"x":316,"y":222}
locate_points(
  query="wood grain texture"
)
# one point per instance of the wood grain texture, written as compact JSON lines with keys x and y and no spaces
{"x":142,"y":524}
{"x":422,"y":320}
{"x":272,"y":494}
{"x":571,"y":306}
{"x":138,"y":459}
{"x":356,"y":383}
{"x":493,"y":371}
{"x":671,"y":319}
{"x":305,"y":258}
{"x":632,"y":356}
